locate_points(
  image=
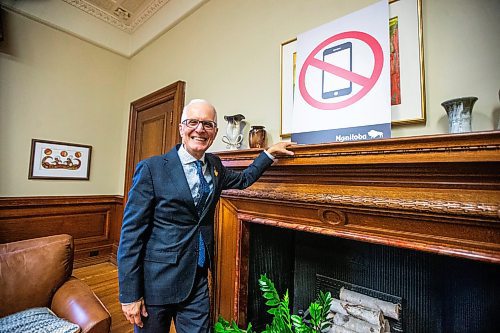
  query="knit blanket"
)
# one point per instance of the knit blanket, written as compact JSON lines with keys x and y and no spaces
{"x":36,"y":320}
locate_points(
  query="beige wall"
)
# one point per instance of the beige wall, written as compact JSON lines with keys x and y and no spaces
{"x":228,"y":52}
{"x":235,"y":62}
{"x":54,"y":86}
{"x":462,"y":58}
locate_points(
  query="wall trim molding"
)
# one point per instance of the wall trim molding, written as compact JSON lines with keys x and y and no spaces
{"x":57,"y":200}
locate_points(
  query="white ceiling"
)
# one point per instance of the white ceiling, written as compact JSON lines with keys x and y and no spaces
{"x":122,"y":26}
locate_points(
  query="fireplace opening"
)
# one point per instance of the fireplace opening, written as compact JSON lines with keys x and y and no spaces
{"x":439,"y":293}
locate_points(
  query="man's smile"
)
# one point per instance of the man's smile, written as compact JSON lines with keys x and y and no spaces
{"x":199,"y":138}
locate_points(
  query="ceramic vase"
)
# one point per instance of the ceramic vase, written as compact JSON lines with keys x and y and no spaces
{"x":233,"y":135}
{"x":257,"y":137}
{"x":459,"y":112}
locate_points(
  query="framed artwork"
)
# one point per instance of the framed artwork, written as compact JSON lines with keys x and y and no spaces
{"x":288,"y":79}
{"x":59,"y":160}
{"x":407,"y":62}
{"x":407,"y":67}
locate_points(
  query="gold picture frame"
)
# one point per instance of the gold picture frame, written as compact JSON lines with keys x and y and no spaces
{"x":287,"y":79}
{"x":412,"y":108}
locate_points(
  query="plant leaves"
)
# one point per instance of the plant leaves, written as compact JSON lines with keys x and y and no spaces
{"x":315,"y":311}
{"x":219,"y":328}
{"x":272,"y":311}
{"x":272,"y":302}
{"x":279,"y":308}
{"x":268,"y":295}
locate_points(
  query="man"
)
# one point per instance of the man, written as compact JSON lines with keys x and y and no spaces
{"x":166,"y":244}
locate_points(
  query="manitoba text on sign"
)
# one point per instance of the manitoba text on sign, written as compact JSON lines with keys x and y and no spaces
{"x":343,"y":88}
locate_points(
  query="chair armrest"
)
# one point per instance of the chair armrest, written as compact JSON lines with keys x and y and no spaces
{"x":76,"y":302}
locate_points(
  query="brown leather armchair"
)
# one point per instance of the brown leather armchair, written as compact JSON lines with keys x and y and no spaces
{"x":37,"y":273}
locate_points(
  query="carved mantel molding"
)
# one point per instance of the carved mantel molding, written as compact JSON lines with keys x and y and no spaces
{"x":474,"y":209}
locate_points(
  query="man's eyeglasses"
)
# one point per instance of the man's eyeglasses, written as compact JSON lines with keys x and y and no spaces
{"x":207,"y":124}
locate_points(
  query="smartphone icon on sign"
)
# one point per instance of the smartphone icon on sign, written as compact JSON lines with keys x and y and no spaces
{"x":333,"y":85}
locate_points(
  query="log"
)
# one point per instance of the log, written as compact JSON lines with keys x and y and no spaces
{"x":388,"y":309}
{"x":356,"y":325}
{"x":339,"y":329}
{"x":372,"y":316}
{"x":387,"y":326}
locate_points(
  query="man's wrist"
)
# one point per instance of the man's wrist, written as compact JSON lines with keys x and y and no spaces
{"x":140,"y":299}
{"x":269,"y":155}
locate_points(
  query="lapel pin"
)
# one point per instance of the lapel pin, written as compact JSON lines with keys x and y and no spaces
{"x":216,"y":173}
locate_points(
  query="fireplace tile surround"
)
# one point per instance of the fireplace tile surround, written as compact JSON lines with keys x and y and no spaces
{"x":438,"y":195}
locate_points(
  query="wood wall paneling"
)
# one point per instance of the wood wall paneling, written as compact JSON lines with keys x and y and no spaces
{"x":93,"y":221}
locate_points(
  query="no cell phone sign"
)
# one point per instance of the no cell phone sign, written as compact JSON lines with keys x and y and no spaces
{"x":341,"y":73}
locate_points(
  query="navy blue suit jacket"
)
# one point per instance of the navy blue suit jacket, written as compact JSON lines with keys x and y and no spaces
{"x":158,"y":252}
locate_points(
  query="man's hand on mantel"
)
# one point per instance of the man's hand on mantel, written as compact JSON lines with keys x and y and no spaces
{"x":280,"y":148}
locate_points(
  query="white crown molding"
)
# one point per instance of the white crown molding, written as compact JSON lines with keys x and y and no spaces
{"x":148,"y":13}
{"x":100,"y":14}
{"x":109,"y":18}
{"x":70,"y":19}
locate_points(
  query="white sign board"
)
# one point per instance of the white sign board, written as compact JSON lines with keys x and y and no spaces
{"x":343,"y":88}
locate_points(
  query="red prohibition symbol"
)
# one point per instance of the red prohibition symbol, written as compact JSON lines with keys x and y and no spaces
{"x":367,"y":83}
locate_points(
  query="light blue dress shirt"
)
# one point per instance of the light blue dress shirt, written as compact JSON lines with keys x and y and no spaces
{"x":189,"y":166}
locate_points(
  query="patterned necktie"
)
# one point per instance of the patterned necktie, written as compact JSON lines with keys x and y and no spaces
{"x":200,"y":205}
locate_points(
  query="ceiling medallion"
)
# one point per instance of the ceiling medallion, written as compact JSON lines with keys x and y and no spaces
{"x":120,"y":17}
{"x":122,"y":14}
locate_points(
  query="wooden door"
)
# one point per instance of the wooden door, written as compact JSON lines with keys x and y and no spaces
{"x":153,"y":126}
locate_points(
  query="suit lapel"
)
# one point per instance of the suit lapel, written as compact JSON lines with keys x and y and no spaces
{"x":213,"y":171}
{"x":175,"y":172}
{"x":215,"y":180}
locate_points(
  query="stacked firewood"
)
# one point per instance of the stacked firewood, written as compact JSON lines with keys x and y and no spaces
{"x":355,"y":312}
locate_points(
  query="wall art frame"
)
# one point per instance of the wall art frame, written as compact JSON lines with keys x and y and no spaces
{"x":411,"y":109}
{"x":59,"y":160}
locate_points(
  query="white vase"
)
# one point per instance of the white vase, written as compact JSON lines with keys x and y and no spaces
{"x":233,"y":137}
{"x":459,"y":112}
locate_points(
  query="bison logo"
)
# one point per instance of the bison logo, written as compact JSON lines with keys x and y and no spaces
{"x":375,"y":134}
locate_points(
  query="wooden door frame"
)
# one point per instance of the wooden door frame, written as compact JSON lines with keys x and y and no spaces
{"x":173,"y":91}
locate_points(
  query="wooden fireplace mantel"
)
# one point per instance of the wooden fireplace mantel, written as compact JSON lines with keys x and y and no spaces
{"x":438,"y":194}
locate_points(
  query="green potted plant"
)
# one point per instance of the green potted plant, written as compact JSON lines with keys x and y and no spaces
{"x":283,"y":321}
